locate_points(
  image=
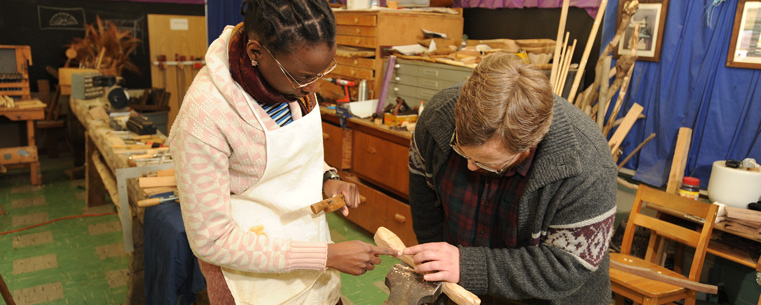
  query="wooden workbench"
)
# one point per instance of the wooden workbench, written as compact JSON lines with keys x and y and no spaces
{"x":108,"y":170}
{"x":24,"y":156}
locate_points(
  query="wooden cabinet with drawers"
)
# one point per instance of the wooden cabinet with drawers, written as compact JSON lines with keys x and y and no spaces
{"x":374,"y":30}
{"x":379,"y":169}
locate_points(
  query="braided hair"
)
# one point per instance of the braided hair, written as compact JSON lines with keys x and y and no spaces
{"x":283,"y":25}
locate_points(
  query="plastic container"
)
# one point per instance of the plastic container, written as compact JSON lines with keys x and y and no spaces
{"x":733,"y":186}
{"x":690,"y":188}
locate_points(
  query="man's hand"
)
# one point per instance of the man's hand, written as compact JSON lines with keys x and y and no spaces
{"x":349,"y":190}
{"x":355,"y":257}
{"x":437,"y":261}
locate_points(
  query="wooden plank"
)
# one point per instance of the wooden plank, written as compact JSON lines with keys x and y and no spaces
{"x":146,"y":182}
{"x":679,"y":161}
{"x":561,"y":30}
{"x":667,"y":229}
{"x":165,"y":172}
{"x":167,"y":40}
{"x":658,"y":276}
{"x":15,"y":155}
{"x":623,"y":129}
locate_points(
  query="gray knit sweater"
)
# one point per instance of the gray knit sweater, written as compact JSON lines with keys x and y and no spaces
{"x":565,"y":218}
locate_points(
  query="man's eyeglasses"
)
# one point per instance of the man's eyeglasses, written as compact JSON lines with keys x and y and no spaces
{"x":456,"y":148}
{"x":295,"y":83}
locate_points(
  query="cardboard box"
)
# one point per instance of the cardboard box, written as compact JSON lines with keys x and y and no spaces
{"x":395,"y":120}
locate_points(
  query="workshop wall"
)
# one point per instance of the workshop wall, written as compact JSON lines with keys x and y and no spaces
{"x":691,"y":86}
{"x":48,"y":25}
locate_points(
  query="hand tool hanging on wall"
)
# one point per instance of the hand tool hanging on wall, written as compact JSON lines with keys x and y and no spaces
{"x":162,"y":66}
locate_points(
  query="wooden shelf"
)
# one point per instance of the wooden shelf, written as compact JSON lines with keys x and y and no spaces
{"x":716,"y":247}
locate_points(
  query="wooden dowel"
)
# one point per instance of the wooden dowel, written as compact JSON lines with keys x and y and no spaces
{"x":620,"y":166}
{"x":563,"y":50}
{"x":566,"y":67}
{"x":588,"y":48}
{"x":561,"y":30}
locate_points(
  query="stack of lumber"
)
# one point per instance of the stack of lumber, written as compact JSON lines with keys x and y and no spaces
{"x":162,"y":182}
{"x":743,"y":221}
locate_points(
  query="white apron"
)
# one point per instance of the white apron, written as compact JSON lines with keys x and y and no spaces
{"x":278,"y":205}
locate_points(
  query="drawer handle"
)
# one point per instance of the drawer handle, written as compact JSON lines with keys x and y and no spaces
{"x":371,"y":150}
{"x":352,"y":72}
{"x":357,"y":30}
{"x":356,"y":62}
{"x":397,"y":66}
{"x":356,"y":20}
{"x":396,"y":89}
{"x":398,"y":78}
{"x":356,"y":40}
{"x":325,"y":136}
{"x":362,"y":199}
{"x":400,"y":218}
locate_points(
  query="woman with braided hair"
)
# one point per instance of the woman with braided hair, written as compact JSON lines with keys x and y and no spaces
{"x":247,"y":145}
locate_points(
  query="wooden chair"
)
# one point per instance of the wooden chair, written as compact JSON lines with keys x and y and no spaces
{"x":637,"y":282}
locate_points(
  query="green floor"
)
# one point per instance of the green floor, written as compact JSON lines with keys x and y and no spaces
{"x":82,"y":260}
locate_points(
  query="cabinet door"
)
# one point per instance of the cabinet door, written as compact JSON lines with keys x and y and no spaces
{"x":372,"y":208}
{"x":399,"y":220}
{"x":332,"y":141}
{"x":381,"y":161}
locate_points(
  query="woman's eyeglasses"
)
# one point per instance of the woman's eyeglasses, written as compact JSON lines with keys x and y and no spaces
{"x":456,"y":148}
{"x":295,"y":83}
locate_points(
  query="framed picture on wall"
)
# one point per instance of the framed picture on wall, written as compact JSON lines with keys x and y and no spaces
{"x":651,"y":16}
{"x":745,"y":46}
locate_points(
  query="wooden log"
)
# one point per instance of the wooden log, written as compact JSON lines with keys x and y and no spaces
{"x":679,"y":161}
{"x":588,"y":48}
{"x":561,"y":30}
{"x":602,"y":106}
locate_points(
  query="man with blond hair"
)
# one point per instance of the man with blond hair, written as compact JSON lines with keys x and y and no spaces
{"x":512,"y":190}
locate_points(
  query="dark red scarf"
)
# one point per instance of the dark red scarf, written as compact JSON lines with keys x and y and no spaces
{"x":250,"y":78}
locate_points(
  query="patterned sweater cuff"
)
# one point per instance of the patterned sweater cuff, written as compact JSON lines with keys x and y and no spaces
{"x":473,"y":271}
{"x":307,"y":255}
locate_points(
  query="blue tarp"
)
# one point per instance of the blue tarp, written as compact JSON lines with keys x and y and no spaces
{"x":691,"y":86}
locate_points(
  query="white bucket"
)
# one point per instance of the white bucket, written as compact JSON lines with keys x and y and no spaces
{"x":358,"y":4}
{"x":732,"y":186}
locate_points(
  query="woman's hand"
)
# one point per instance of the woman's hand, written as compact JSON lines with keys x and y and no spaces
{"x":349,"y":190}
{"x":355,"y":257}
{"x":438,"y":261}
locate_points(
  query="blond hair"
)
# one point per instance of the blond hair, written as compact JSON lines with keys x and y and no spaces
{"x":504,"y":98}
